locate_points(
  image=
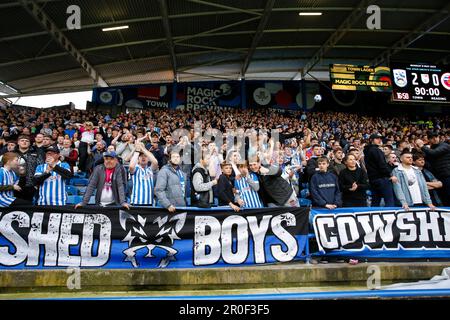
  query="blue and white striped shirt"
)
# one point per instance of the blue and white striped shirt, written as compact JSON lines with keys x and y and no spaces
{"x":247,"y":193}
{"x":143,"y":186}
{"x":7,"y":178}
{"x":53,"y":191}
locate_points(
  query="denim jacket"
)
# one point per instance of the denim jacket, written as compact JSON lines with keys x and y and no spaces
{"x":401,"y":187}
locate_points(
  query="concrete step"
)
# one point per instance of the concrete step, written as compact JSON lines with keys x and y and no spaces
{"x":293,"y":275}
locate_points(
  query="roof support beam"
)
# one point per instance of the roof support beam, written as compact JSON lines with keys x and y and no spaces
{"x":207,"y":13}
{"x":213,"y":31}
{"x":213,"y":76}
{"x":42,"y":18}
{"x":258,"y":35}
{"x":15,"y":4}
{"x":424,"y":28}
{"x":33,"y":91}
{"x":168,"y":34}
{"x":225,"y":50}
{"x":212,"y":48}
{"x":217,"y":5}
{"x":38,"y":92}
{"x":42,"y":33}
{"x":336,"y":36}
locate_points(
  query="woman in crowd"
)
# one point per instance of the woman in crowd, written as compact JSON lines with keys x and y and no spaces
{"x":69,"y":154}
{"x":87,"y":139}
{"x":353,"y":183}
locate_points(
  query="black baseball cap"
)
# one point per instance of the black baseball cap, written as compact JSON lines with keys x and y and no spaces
{"x":432,"y":134}
{"x":52,"y":148}
{"x":376,"y":136}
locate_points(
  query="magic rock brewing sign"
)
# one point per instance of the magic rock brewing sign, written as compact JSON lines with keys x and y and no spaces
{"x":360,"y":78}
{"x":53,"y":237}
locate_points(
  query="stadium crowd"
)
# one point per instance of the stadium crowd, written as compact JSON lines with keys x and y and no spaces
{"x":331,"y":159}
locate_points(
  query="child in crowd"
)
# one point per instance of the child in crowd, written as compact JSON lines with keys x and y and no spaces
{"x":9,"y":181}
{"x":324,"y":187}
{"x":225,"y":188}
{"x":247,"y":187}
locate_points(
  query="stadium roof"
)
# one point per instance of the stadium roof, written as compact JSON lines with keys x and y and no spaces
{"x":207,"y":39}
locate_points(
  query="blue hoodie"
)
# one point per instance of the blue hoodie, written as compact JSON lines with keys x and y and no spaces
{"x":324,"y":189}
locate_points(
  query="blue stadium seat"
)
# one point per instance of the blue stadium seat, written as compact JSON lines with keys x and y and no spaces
{"x":72,"y":191}
{"x":81,"y":190}
{"x":305,"y":202}
{"x":216,"y":201}
{"x":74,"y":199}
{"x":79,"y":182}
{"x":304,"y":193}
{"x":188,"y":201}
{"x":80,"y":175}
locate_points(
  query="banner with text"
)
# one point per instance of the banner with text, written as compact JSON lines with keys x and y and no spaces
{"x":95,"y":237}
{"x":360,"y":78}
{"x":135,"y":97}
{"x":383,"y":233}
{"x":210,"y":95}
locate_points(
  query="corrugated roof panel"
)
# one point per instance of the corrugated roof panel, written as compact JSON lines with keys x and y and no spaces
{"x":91,"y":11}
{"x":291,"y":19}
{"x":435,"y":4}
{"x":51,"y":78}
{"x":207,"y":57}
{"x":396,"y":20}
{"x":107,"y":55}
{"x":292,"y":39}
{"x":128,"y":68}
{"x":366,"y":39}
{"x":17,"y":21}
{"x":180,"y":7}
{"x":30,"y":69}
{"x":149,"y":50}
{"x":149,"y":38}
{"x":315,"y":3}
{"x":225,"y":41}
{"x":40,"y":46}
{"x":418,"y":56}
{"x":188,"y":26}
{"x":154,"y":77}
{"x":283,"y":53}
{"x":433,"y":42}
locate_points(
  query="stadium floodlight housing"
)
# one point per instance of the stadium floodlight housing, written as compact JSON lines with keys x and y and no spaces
{"x":115,"y":28}
{"x":310,"y":14}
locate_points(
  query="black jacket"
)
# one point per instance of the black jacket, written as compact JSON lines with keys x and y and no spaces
{"x":346,"y":179}
{"x":225,"y":193}
{"x":200,"y":199}
{"x":376,"y":165}
{"x":274,"y":188}
{"x":312,"y":167}
{"x":439,"y":158}
{"x":32,"y":160}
